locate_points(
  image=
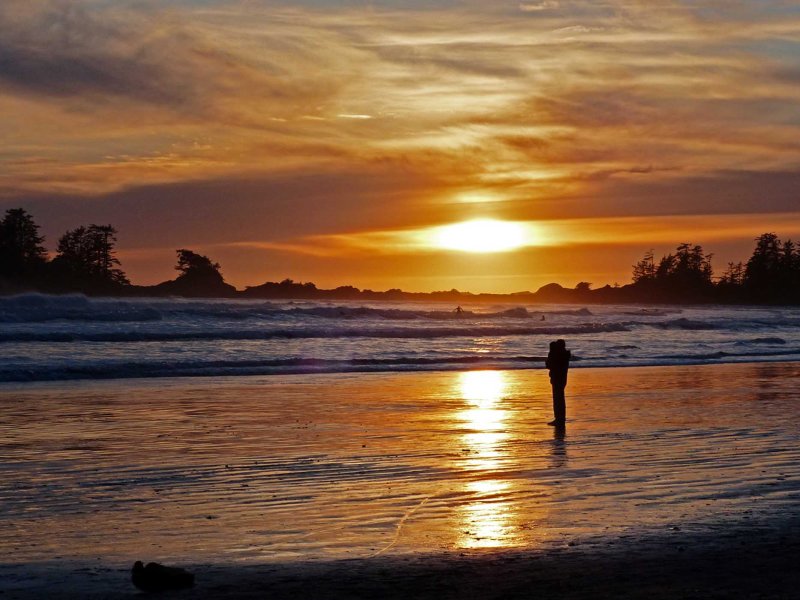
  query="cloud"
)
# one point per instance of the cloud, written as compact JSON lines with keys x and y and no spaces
{"x":278,"y":208}
{"x":62,"y":49}
{"x":145,"y":112}
{"x":538,"y":6}
{"x":70,"y":49}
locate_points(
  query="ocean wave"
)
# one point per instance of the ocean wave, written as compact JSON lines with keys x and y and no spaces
{"x":307,"y":333}
{"x":762,"y":340}
{"x":687,"y":324}
{"x":397,"y":314}
{"x":730,"y":324}
{"x":299,"y":365}
{"x":653,"y":312}
{"x":689,"y":357}
{"x":679,"y":324}
{"x":350,"y":313}
{"x":578,"y":312}
{"x":41,"y":308}
{"x":262,"y":367}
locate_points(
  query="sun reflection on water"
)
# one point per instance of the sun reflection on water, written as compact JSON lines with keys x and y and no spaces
{"x":482,"y":388}
{"x":486,"y":521}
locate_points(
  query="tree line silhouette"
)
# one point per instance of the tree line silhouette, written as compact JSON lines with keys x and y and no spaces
{"x":86,"y":262}
{"x":771,"y":275}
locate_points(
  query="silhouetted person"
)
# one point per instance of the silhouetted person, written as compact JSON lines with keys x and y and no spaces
{"x":558,"y":364}
{"x":458,"y":310}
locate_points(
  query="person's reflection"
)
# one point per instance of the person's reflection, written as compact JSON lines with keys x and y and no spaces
{"x":558,"y":454}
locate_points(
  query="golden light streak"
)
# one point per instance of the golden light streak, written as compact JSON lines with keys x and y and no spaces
{"x":486,"y":522}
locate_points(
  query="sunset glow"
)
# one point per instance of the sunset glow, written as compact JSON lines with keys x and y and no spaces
{"x":482,"y":235}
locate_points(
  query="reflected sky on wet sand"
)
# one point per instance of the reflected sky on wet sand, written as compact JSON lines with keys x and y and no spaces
{"x":331,"y":466}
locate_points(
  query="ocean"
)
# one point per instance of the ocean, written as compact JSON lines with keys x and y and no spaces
{"x":54,"y":338}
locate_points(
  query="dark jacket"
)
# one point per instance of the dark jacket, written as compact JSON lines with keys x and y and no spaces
{"x":558,"y":364}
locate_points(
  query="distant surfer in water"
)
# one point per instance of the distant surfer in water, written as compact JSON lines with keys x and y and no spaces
{"x":458,"y":310}
{"x":557,"y":364}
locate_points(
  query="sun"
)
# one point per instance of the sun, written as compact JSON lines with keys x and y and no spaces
{"x":481,"y":235}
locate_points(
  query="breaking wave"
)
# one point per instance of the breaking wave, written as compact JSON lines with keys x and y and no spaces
{"x":302,"y":333}
{"x":40,"y":308}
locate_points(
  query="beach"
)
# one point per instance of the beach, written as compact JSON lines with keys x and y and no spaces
{"x":667,"y":480}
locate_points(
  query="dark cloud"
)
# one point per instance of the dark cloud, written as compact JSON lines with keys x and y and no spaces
{"x":292,"y":206}
{"x":62,"y":50}
{"x":653,"y":194}
{"x":278,"y":208}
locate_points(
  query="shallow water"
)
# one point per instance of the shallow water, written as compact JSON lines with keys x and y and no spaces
{"x":328,"y":466}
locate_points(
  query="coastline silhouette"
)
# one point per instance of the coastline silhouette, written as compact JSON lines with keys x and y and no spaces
{"x":86,"y":261}
{"x":557,"y":363}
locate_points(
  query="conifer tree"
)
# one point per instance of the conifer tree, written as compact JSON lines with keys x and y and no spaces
{"x":21,"y":250}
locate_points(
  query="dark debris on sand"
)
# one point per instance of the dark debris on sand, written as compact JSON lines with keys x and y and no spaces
{"x":759,"y":563}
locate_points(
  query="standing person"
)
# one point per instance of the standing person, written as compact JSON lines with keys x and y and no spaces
{"x":558,"y":364}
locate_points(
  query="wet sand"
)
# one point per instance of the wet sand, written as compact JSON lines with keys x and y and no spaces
{"x":668,"y":482}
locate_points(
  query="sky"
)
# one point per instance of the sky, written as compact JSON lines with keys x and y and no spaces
{"x":333,"y":141}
